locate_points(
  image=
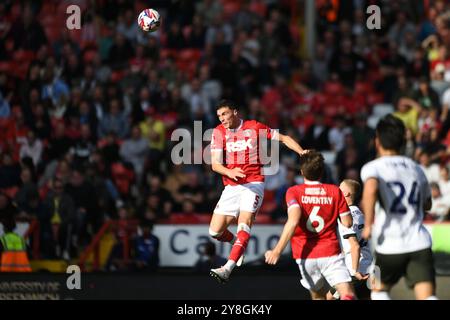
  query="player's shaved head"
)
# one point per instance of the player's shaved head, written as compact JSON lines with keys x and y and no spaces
{"x":353,"y":187}
{"x":312,"y":165}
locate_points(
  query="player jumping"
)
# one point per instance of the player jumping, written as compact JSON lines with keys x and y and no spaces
{"x":313,"y":211}
{"x":238,"y":141}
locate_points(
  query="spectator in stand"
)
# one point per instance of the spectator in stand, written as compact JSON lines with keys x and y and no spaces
{"x":146,"y":249}
{"x":8,"y":210}
{"x":120,"y":52}
{"x":444,"y":180}
{"x":87,"y":116}
{"x":61,"y":220}
{"x":134,"y":150}
{"x":401,"y":27}
{"x":279,"y":214}
{"x":83,"y":147}
{"x":430,"y":169}
{"x":27,"y":32}
{"x":153,"y":210}
{"x":115,"y":261}
{"x":440,"y":209}
{"x":181,"y":107}
{"x":114,"y":121}
{"x":154,"y":131}
{"x":210,"y":11}
{"x":198,"y":101}
{"x":408,"y":111}
{"x":317,"y":135}
{"x":196,"y":38}
{"x":84,"y":197}
{"x":73,"y":70}
{"x":27,"y":189}
{"x":41,"y":122}
{"x":320,"y":64}
{"x":56,"y":90}
{"x":99,"y":102}
{"x":426,"y":96}
{"x":88,"y":81}
{"x":403,"y":89}
{"x":364,"y":137}
{"x":141,"y":105}
{"x":109,"y":149}
{"x":410,"y":146}
{"x":5,"y":109}
{"x":346,"y":63}
{"x":348,"y":158}
{"x":191,"y":191}
{"x":127,"y":25}
{"x":445,"y":114}
{"x":32,"y":148}
{"x":175,"y":38}
{"x":108,"y":195}
{"x":154,"y":185}
{"x":337,"y":133}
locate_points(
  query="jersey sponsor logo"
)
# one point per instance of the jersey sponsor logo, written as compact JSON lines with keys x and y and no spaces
{"x":317,"y":200}
{"x":248,"y":133}
{"x":240,"y":145}
{"x":315,"y":191}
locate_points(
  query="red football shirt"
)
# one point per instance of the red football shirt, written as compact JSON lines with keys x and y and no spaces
{"x":320,"y":204}
{"x":240,"y":148}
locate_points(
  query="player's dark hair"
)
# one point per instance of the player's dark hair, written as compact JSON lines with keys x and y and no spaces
{"x":312,"y":165}
{"x":227,"y":103}
{"x":391,"y":133}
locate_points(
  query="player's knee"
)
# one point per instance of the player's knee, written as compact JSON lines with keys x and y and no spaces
{"x":214,"y":234}
{"x":243,"y":227}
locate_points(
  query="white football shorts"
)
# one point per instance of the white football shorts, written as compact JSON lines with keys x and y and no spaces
{"x":316,"y":271}
{"x":244,"y":197}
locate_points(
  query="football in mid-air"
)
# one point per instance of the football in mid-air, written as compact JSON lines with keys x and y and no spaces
{"x":149,"y":20}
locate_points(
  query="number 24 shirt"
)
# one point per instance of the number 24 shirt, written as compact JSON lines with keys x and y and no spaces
{"x":402,"y":191}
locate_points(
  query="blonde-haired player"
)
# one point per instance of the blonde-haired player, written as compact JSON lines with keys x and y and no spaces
{"x":358,"y":257}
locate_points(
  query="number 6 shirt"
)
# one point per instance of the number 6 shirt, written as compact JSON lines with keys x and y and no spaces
{"x":320,"y":204}
{"x":402,"y":191}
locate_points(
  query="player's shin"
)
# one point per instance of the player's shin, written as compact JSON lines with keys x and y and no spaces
{"x":239,"y":246}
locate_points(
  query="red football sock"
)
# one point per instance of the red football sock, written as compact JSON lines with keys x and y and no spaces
{"x":239,"y":246}
{"x":226,"y":236}
{"x":348,"y":297}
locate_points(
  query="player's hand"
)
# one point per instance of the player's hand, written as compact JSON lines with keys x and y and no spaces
{"x":305,"y":151}
{"x":272,"y":257}
{"x":360,"y":276}
{"x":236,"y":173}
{"x":366,"y":233}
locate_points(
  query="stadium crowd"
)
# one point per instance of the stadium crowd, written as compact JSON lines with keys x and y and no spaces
{"x":86,"y":116}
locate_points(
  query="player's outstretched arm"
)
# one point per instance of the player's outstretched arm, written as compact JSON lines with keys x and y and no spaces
{"x":294,"y":214}
{"x":217,"y":166}
{"x":368,"y":205}
{"x":290,"y":143}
